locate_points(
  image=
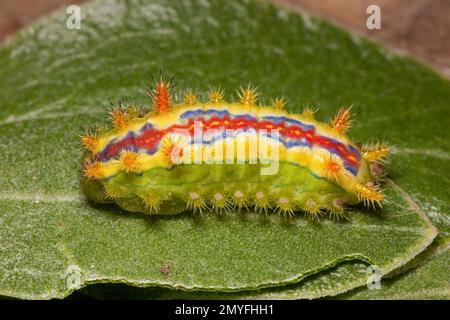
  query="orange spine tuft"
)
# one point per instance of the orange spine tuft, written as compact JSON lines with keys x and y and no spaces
{"x":89,"y":141}
{"x":119,"y":118}
{"x":130,"y":162}
{"x":341,"y":122}
{"x":332,"y":167}
{"x":94,"y":170}
{"x":161,"y":97}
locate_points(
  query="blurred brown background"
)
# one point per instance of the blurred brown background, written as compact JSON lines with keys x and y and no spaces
{"x":420,"y":27}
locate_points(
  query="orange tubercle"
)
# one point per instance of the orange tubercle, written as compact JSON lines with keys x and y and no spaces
{"x":341,"y":122}
{"x":161,"y":97}
{"x":332,"y":167}
{"x":130,"y":162}
{"x":94,"y":170}
{"x":89,"y":141}
{"x":119,"y":118}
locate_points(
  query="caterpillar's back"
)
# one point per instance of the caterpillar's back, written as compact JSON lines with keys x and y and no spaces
{"x":219,"y":156}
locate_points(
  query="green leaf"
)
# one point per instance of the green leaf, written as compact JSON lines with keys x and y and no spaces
{"x":429,"y":280}
{"x":315,"y":286}
{"x":54,"y":80}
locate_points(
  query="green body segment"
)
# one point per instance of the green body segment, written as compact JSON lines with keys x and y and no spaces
{"x":293,"y":187}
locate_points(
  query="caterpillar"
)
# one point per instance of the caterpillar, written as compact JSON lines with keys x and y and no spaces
{"x":221,"y":156}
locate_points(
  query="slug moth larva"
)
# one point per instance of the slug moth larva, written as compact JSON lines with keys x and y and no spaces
{"x":220,"y":156}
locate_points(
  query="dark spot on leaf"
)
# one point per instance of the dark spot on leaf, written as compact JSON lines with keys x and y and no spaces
{"x":165,"y":268}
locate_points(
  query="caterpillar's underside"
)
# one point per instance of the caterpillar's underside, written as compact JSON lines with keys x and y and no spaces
{"x":219,"y":156}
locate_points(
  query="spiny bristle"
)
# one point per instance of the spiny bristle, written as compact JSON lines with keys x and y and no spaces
{"x":196,"y":203}
{"x":309,"y":112}
{"x":132,"y":112}
{"x":239,"y":200}
{"x":338,"y":215}
{"x":120,"y":118}
{"x":129,"y":161}
{"x":312,"y":209}
{"x":369,"y":194}
{"x":216,"y":96}
{"x":284,"y":207}
{"x":337,"y":209}
{"x":332,"y":166}
{"x":262,"y":202}
{"x":152,"y":200}
{"x":190,"y":98}
{"x":90,"y":141}
{"x":341,"y":122}
{"x":220,"y":203}
{"x":93,"y":170}
{"x":112,"y":191}
{"x":248,"y":97}
{"x":278,"y":103}
{"x":161,"y":97}
{"x":100,"y":130}
{"x":376,"y":151}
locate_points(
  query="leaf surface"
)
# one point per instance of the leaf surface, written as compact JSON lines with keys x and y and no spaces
{"x":54,"y":80}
